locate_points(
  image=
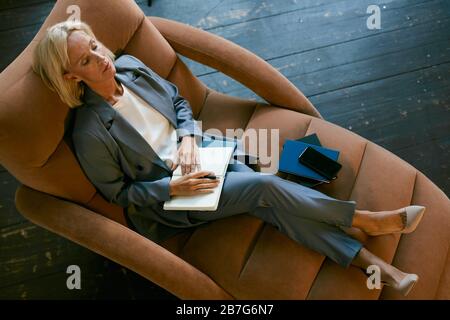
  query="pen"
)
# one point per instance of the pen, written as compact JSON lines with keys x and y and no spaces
{"x":210,"y":176}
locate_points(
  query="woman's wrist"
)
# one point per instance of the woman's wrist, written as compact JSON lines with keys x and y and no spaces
{"x":188,"y":137}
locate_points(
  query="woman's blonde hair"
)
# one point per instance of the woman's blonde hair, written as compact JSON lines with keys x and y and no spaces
{"x":51,"y":60}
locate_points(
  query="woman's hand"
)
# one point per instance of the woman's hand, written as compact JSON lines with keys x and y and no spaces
{"x":192,"y":184}
{"x":187,"y":156}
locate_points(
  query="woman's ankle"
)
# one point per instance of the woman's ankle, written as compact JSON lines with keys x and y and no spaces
{"x":379,"y":222}
{"x":363,"y":219}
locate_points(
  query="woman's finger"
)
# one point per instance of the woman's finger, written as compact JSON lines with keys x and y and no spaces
{"x":200,"y":180}
{"x":197,"y":162}
{"x":192,"y":162}
{"x":205,"y":186}
{"x":184,"y":169}
{"x":204,"y":191}
{"x":188,"y":166}
{"x":199,"y":174}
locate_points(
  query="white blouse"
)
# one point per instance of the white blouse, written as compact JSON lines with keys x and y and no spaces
{"x":152,"y":125}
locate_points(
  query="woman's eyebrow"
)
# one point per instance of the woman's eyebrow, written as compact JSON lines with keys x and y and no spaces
{"x":90,"y":43}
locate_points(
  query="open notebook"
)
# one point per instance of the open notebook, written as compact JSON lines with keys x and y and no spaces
{"x":213,"y":159}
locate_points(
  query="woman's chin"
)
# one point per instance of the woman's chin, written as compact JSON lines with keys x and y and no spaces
{"x":111,"y":71}
{"x":109,"y":74}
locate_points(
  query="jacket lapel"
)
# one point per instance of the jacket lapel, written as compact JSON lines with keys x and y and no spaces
{"x":140,"y":83}
{"x":120,"y":128}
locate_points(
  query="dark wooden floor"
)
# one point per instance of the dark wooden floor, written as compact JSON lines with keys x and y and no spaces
{"x":391,"y":86}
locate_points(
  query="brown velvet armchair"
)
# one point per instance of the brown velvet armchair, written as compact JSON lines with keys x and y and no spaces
{"x":235,"y":258}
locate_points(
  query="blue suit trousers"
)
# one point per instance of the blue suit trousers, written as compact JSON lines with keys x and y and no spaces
{"x":305,"y":215}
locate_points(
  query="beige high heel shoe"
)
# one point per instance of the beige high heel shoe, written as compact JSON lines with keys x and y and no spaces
{"x":406,"y":285}
{"x":414,"y":215}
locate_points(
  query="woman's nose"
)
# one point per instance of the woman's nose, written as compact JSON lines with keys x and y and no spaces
{"x":100,"y":58}
{"x":102,"y":61}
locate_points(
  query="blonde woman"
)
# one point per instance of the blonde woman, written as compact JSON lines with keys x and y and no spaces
{"x":132,"y":129}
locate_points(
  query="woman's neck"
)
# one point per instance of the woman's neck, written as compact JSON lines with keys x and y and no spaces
{"x":109,"y":90}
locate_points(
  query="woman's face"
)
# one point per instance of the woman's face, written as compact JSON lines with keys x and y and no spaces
{"x":88,"y":59}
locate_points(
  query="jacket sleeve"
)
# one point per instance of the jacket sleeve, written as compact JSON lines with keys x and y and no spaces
{"x":106,"y":175}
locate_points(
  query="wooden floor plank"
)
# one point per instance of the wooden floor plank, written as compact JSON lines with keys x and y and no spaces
{"x":424,"y":156}
{"x":383,"y":45}
{"x":29,"y":251}
{"x":294,"y":33}
{"x":217,"y":13}
{"x":8,"y":211}
{"x":397,"y":91}
{"x":7,"y":5}
{"x":107,"y":281}
{"x":324,"y":69}
{"x":360,"y":72}
{"x":95,"y":283}
{"x":13,"y":42}
{"x":33,"y":258}
{"x":33,"y":14}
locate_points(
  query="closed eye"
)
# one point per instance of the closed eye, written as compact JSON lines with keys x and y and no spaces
{"x":86,"y":61}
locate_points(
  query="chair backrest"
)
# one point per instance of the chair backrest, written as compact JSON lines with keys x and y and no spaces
{"x":33,"y":120}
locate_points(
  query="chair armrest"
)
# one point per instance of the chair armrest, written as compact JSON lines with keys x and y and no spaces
{"x":236,"y":62}
{"x":117,"y":243}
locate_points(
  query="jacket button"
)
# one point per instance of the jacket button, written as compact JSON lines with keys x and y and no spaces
{"x":139,"y":167}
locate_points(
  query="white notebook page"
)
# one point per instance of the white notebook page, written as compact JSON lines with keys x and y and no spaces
{"x":213,"y":159}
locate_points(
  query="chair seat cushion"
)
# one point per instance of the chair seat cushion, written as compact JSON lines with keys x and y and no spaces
{"x":252,"y":260}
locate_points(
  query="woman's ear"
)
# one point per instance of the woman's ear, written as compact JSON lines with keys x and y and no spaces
{"x":71,"y":76}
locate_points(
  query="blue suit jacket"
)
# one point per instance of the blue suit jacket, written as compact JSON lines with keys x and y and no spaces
{"x":120,"y":163}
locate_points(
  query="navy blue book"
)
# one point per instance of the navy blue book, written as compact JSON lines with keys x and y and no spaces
{"x":311,"y":139}
{"x":297,"y":171}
